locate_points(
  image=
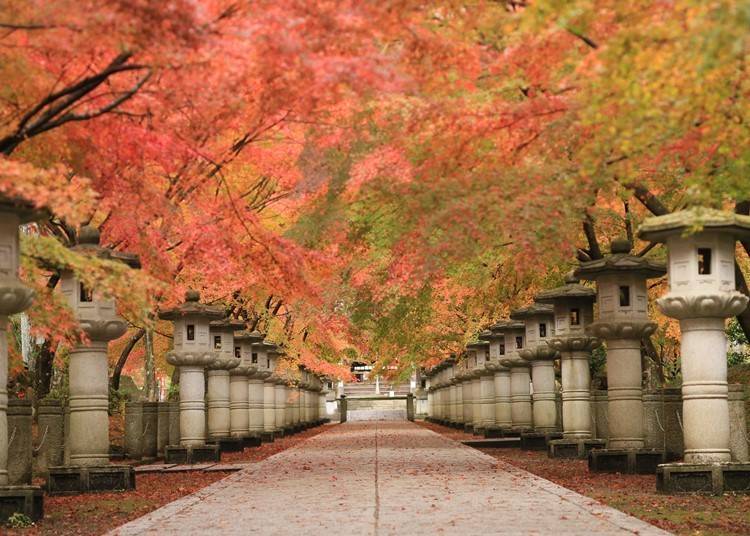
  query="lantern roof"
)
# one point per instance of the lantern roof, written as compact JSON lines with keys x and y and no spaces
{"x":25,"y":210}
{"x":535,"y":309}
{"x":479,"y":345}
{"x":619,"y":261}
{"x":695,"y":219}
{"x":89,"y":240}
{"x":249,"y":336}
{"x":571,"y":289}
{"x":506,"y":325}
{"x":227,"y":323}
{"x":485,"y":335}
{"x":193,"y":307}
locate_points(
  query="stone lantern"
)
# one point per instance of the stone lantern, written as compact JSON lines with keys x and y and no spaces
{"x":466,"y":376}
{"x":89,"y":468}
{"x":574,"y":310}
{"x":250,"y":343}
{"x":520,"y":379}
{"x":267,"y":362}
{"x":503,"y":419}
{"x":14,"y":298}
{"x":702,"y":294}
{"x":193,"y":351}
{"x":239,"y":401}
{"x":279,"y":393}
{"x":622,"y":322}
{"x":452,"y":390}
{"x":485,"y":387}
{"x":539,"y":320}
{"x":221,"y":333}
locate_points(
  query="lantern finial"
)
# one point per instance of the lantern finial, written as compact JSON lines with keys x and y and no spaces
{"x":620,"y":245}
{"x":88,"y":235}
{"x":192,"y":295}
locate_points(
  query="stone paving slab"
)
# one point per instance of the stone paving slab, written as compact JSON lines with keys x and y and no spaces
{"x":153,"y":467}
{"x":186,"y":468}
{"x":383,"y":478}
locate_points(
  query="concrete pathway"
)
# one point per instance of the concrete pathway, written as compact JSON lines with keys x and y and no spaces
{"x":379,"y":478}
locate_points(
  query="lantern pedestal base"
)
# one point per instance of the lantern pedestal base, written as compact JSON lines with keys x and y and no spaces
{"x":710,"y":478}
{"x":267,"y":437}
{"x":501,"y":443}
{"x":478,"y":430}
{"x":468,"y":428}
{"x":251,"y":441}
{"x":70,"y":480}
{"x":493,"y":432}
{"x":573,"y":448}
{"x":227,"y":444}
{"x":181,"y":455}
{"x":630,"y":461}
{"x":27,"y":500}
{"x":538,"y":440}
{"x":116,"y":452}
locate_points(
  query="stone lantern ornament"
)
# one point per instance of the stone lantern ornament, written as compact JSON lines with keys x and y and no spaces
{"x":702,"y":295}
{"x":89,"y":468}
{"x":239,"y":404}
{"x":539,"y":321}
{"x":266,"y":367}
{"x":503,"y":418}
{"x":221,"y":333}
{"x":193,"y":351}
{"x":520,"y":378}
{"x":279,"y":393}
{"x":484,"y":388}
{"x":574,"y":310}
{"x":249,"y":341}
{"x":14,"y":298}
{"x":622,"y":322}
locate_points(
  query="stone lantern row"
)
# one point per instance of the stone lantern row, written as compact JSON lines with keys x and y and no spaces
{"x":247,"y":400}
{"x":504,"y":385}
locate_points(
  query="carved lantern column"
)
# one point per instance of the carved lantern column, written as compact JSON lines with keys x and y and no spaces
{"x":239,"y":401}
{"x":451,"y":390}
{"x":192,"y":353}
{"x":539,"y":322}
{"x":520,"y":378}
{"x":501,"y":378}
{"x":486,"y":391}
{"x":702,"y":294}
{"x":279,"y":393}
{"x":622,"y":321}
{"x":221,"y":333}
{"x":574,"y":310}
{"x":14,"y":298}
{"x":266,"y":368}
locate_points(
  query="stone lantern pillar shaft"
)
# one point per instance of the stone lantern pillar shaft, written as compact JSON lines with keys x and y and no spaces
{"x":279,"y":402}
{"x":487,"y":399}
{"x":503,"y":416}
{"x":239,"y":405}
{"x":545,"y":406}
{"x":192,"y":406}
{"x":468,"y":399}
{"x":218,"y":403}
{"x":625,"y":394}
{"x":576,"y":395}
{"x":89,"y":404}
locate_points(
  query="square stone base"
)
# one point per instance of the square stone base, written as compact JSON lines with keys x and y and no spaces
{"x":573,"y":448}
{"x":69,"y":480}
{"x":251,"y":441}
{"x":267,"y":437}
{"x":493,"y":432}
{"x":468,"y":428}
{"x":501,"y":443}
{"x":478,"y":431}
{"x":181,"y":455}
{"x":116,"y":452}
{"x":27,"y":500}
{"x":713,"y":478}
{"x":538,"y":440}
{"x":630,"y":461}
{"x":227,"y":444}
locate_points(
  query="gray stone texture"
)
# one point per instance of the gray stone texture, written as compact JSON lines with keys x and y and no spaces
{"x":50,"y":425}
{"x":134,"y":430}
{"x":20,"y":447}
{"x":150,"y":430}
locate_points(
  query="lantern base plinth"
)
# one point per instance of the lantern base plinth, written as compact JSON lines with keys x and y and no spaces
{"x":27,"y":500}
{"x":251,"y":441}
{"x":573,"y":448}
{"x":227,"y":444}
{"x":710,"y":478}
{"x":538,"y":440}
{"x":267,"y":437}
{"x":626,"y":461}
{"x":468,"y":428}
{"x":181,"y":455}
{"x":71,"y":480}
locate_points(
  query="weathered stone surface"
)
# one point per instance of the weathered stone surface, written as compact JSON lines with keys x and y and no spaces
{"x":162,"y":435}
{"x":738,"y":437}
{"x":364,"y":489}
{"x":50,"y":424}
{"x":134,"y":430}
{"x":150,"y":430}
{"x":19,"y":442}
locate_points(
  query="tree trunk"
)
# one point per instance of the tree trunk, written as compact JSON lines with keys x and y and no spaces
{"x":44,"y":365}
{"x":117,"y":371}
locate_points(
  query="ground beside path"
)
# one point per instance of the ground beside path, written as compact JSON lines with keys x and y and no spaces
{"x":384,"y":478}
